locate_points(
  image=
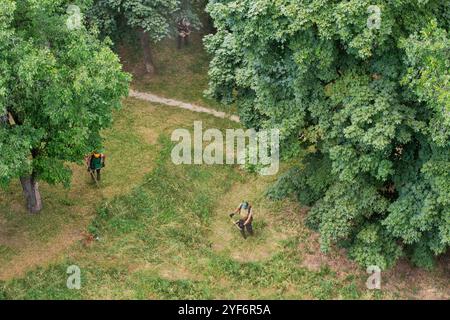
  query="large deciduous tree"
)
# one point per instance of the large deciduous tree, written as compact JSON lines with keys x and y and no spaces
{"x":151,"y":19}
{"x":58,"y":87}
{"x":364,"y":86}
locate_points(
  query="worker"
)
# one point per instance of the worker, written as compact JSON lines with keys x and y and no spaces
{"x":245,"y":212}
{"x":95,"y":162}
{"x":184,"y":31}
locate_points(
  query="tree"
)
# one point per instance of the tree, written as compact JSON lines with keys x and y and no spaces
{"x":366,"y":90}
{"x":191,"y":10}
{"x":59,"y":85}
{"x":151,"y":19}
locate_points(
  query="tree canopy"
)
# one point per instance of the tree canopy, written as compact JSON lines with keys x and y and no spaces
{"x":365,"y":90}
{"x":58,"y":84}
{"x":152,"y":19}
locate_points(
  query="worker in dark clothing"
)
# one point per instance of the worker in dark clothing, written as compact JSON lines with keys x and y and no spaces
{"x":245,"y":212}
{"x":184,"y":31}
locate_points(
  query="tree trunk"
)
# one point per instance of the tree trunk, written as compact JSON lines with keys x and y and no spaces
{"x":147,"y":52}
{"x":31,"y":192}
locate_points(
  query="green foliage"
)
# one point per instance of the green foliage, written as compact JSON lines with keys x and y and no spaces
{"x":151,"y":16}
{"x":371,"y":104}
{"x":158,"y":18}
{"x":59,"y":85}
{"x":191,"y":10}
{"x":372,"y":245}
{"x":428,"y":75}
{"x":308,"y":183}
{"x":422,"y":256}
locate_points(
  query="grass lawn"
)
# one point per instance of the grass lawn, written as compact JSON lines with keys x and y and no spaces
{"x":164,"y":232}
{"x":181,"y":74}
{"x":163,"y":229}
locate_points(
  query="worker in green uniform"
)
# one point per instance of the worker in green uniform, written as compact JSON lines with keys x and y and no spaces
{"x":95,"y":163}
